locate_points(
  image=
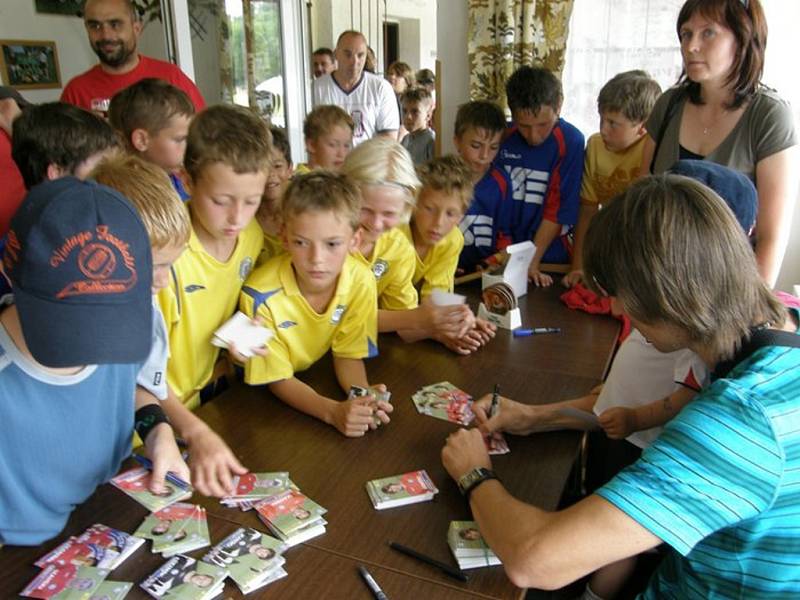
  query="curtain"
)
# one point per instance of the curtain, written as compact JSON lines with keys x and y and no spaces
{"x":503,"y":35}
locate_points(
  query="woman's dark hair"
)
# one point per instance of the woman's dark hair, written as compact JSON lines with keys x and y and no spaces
{"x":745,"y":18}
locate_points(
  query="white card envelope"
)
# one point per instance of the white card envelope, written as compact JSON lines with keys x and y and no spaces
{"x":442,"y":298}
{"x":240,"y":331}
{"x":515,"y":272}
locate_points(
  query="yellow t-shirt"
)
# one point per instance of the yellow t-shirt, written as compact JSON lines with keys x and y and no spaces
{"x":349,"y":326}
{"x":438,"y":270}
{"x":302,"y":169}
{"x":393,"y":262}
{"x":273,"y":246}
{"x":202,"y":295}
{"x":607,"y":173}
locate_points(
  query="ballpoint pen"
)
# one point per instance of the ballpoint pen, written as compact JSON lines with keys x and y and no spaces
{"x":171,"y":477}
{"x":536,"y":331}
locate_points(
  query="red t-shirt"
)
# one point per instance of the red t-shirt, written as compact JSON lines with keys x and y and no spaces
{"x":93,"y":89}
{"x":12,"y":188}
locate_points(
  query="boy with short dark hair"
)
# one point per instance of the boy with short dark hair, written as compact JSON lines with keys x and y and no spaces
{"x":417,"y":106}
{"x":486,"y":224}
{"x":71,"y":346}
{"x":279,"y":175}
{"x":153,"y":119}
{"x":328,"y":132}
{"x":614,"y":155}
{"x":56,"y":139}
{"x":543,"y":156}
{"x":227,"y":159}
{"x":315,"y":298}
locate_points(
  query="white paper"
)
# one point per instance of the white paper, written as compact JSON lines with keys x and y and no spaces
{"x":240,"y":331}
{"x":442,"y":298}
{"x":515,"y":272}
{"x":580,"y":415}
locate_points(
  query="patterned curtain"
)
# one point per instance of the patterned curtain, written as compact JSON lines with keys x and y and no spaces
{"x":506,"y":34}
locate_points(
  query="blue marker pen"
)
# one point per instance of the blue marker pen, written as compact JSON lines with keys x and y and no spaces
{"x":536,"y":331}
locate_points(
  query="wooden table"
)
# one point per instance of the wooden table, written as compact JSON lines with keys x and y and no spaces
{"x":269,"y":436}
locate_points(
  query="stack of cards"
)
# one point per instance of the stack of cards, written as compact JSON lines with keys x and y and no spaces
{"x":84,"y":561}
{"x":243,"y":333}
{"x":185,"y":578}
{"x":252,"y":559}
{"x":70,"y":582}
{"x":135,"y":483}
{"x":499,"y":298}
{"x":467,"y":545}
{"x":356,"y":391}
{"x":399,"y":490}
{"x":176,"y":529}
{"x":292,"y":516}
{"x":251,"y":488}
{"x":99,"y":546}
{"x":444,"y":401}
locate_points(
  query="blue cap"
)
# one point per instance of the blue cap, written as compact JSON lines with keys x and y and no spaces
{"x":736,"y":189}
{"x":81,"y":270}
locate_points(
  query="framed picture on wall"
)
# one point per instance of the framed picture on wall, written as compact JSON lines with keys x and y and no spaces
{"x":59,"y":7}
{"x":29,"y":65}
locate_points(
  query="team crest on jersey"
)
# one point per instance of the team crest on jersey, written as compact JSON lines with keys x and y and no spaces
{"x":337,"y":313}
{"x":379,"y":268}
{"x":287,"y":324}
{"x":245,"y":267}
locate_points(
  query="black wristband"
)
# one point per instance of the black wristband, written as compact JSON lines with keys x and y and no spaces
{"x":148,"y":417}
{"x":474,"y":486}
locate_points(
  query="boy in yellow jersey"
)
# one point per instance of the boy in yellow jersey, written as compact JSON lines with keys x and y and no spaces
{"x":614,"y":155}
{"x":280,"y":173}
{"x":149,"y":190}
{"x":315,"y":298}
{"x":447,"y":186}
{"x":328,"y":131}
{"x":227,"y":158}
{"x":384,"y":172}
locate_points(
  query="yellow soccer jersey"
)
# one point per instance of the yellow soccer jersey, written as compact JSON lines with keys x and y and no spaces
{"x":202,"y":295}
{"x":302,"y":169}
{"x":393,"y":262}
{"x":273,"y":246}
{"x":438,"y":270}
{"x":349,"y":326}
{"x":607,"y":173}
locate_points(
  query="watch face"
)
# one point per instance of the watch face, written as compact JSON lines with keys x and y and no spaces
{"x":466,"y":480}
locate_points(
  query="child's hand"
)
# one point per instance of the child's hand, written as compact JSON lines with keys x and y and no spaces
{"x":465,"y":344}
{"x":237,"y":356}
{"x":485,"y":330}
{"x":354,"y":417}
{"x":454,"y":320}
{"x":213,"y":464}
{"x":571,"y":278}
{"x":166,"y":457}
{"x":538,"y":278}
{"x":618,"y":422}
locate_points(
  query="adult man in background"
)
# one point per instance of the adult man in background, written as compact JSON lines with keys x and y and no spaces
{"x":367,"y":98}
{"x":322,"y":62}
{"x":114,"y":28}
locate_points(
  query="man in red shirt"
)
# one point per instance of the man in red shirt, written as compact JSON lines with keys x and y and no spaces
{"x":114,"y":27}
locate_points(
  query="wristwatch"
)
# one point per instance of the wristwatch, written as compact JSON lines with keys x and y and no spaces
{"x":472,"y":479}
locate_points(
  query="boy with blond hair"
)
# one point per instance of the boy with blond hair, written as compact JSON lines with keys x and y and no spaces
{"x":167,"y":223}
{"x":447,"y":187}
{"x":227,"y":159}
{"x":614,"y":154}
{"x":317,"y":297}
{"x":328,"y":131}
{"x":153,"y":119}
{"x":280,"y":173}
{"x":479,"y":128}
{"x":417,"y":106}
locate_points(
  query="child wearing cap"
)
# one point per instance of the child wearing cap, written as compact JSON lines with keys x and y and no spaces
{"x":153,"y":119}
{"x":317,"y":297}
{"x":71,"y":346}
{"x":227,"y":159}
